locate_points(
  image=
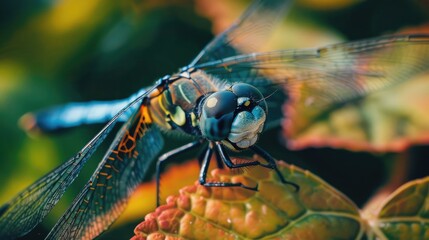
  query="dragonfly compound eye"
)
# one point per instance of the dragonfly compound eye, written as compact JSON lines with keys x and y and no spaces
{"x":218,"y":115}
{"x":235,"y":116}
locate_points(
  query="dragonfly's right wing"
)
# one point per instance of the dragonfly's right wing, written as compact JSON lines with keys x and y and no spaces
{"x":25,"y":211}
{"x":247,"y":34}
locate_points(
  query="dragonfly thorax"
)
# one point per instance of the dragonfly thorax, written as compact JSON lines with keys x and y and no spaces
{"x":235,"y":116}
{"x":176,"y":106}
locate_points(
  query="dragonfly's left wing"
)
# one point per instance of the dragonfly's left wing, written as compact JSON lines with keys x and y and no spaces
{"x":27,"y":209}
{"x":105,"y":196}
{"x":329,"y":75}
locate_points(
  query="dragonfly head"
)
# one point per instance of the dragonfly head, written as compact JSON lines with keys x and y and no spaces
{"x":235,"y":116}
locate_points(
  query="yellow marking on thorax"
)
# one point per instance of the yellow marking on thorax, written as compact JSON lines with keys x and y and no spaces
{"x":194,"y":119}
{"x":161,"y":105}
{"x":179,"y":117}
{"x":184,"y":95}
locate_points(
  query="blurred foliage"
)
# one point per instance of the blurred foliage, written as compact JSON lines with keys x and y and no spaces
{"x":52,"y":52}
{"x":391,"y":119}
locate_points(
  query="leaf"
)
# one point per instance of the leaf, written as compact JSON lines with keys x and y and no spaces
{"x":404,"y":214}
{"x":316,"y":211}
{"x":327,"y":5}
{"x":388,"y":120}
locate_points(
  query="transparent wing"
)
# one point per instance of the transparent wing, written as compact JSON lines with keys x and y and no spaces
{"x":26,"y":210}
{"x":247,"y":34}
{"x":105,"y":196}
{"x":333,"y":74}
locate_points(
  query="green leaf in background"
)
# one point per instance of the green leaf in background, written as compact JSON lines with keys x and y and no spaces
{"x":404,"y":214}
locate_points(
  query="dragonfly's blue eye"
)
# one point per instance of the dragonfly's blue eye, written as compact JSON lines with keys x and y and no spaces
{"x":234,"y":116}
{"x":218,"y":114}
{"x":220,"y":103}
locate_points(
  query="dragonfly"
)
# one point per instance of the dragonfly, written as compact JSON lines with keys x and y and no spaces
{"x":225,"y":98}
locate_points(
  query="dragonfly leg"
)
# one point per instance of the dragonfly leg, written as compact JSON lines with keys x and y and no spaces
{"x":272,"y":165}
{"x":169,"y":156}
{"x":225,"y":158}
{"x":205,"y":167}
{"x":219,"y":160}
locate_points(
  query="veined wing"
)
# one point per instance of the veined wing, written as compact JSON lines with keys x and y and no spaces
{"x":247,"y":34}
{"x":333,"y":74}
{"x":105,"y":196}
{"x":25,"y":211}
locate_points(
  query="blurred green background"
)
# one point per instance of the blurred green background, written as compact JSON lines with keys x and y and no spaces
{"x":53,"y":52}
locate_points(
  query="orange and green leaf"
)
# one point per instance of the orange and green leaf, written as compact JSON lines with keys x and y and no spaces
{"x":404,"y":214}
{"x":276,"y":211}
{"x":316,"y":211}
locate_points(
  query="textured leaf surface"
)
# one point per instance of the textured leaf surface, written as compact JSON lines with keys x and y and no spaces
{"x":317,"y":211}
{"x":405,"y":214}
